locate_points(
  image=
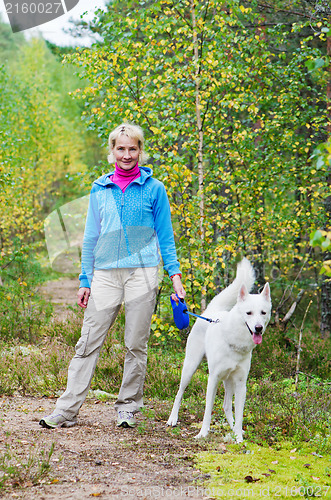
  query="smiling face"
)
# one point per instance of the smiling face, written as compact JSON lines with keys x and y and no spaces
{"x":126,"y":152}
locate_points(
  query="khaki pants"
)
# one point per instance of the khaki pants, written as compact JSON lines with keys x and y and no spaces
{"x":137,"y":288}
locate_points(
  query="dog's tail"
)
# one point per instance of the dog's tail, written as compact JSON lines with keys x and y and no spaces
{"x":225,"y":300}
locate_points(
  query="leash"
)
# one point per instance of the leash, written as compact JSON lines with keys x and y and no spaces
{"x":201,"y":317}
{"x":181,"y":314}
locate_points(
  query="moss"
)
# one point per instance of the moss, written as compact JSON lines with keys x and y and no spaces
{"x":253,"y":471}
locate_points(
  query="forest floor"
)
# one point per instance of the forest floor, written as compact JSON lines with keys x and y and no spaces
{"x":95,"y":458}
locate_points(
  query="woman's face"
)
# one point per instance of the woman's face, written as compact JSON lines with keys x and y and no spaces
{"x":126,"y":152}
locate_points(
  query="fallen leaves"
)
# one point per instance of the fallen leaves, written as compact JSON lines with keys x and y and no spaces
{"x":250,"y":479}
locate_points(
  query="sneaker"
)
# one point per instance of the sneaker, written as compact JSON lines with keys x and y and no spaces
{"x":54,"y":421}
{"x":125,"y":419}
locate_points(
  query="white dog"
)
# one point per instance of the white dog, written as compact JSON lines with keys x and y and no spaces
{"x":227,"y":345}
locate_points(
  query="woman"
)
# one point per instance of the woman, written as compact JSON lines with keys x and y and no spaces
{"x":128,"y":224}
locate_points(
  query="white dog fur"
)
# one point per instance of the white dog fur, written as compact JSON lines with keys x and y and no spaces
{"x":227,"y":345}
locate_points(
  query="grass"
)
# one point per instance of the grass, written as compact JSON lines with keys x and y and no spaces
{"x":17,"y":471}
{"x":274,"y":409}
{"x":278,"y":419}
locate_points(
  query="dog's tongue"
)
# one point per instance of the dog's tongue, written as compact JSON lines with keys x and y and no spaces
{"x":257,"y":338}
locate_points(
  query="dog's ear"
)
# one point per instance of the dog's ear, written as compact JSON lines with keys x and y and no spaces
{"x":266,"y":292}
{"x":243,"y":293}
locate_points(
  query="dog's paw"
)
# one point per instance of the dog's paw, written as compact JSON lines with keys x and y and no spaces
{"x":172,"y":421}
{"x":229,"y":438}
{"x":239,"y":436}
{"x":201,"y":435}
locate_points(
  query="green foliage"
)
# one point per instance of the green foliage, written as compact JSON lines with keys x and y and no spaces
{"x":42,"y":146}
{"x":322,"y":240}
{"x":40,"y":141}
{"x":263,"y":107}
{"x":22,"y":310}
{"x":10,"y":43}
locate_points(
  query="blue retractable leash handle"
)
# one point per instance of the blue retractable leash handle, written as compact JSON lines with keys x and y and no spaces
{"x":181,"y":314}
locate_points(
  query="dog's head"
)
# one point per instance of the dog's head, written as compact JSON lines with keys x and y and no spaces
{"x":255,"y":310}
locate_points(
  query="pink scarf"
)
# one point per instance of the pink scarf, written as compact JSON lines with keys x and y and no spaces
{"x":123,"y":177}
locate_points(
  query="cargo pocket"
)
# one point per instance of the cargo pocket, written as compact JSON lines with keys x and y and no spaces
{"x":81,"y":345}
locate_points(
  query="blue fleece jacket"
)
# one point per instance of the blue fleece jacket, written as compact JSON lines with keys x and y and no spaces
{"x":128,"y":229}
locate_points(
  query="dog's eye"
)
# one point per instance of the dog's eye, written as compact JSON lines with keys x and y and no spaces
{"x":263,"y":312}
{"x":249,"y":313}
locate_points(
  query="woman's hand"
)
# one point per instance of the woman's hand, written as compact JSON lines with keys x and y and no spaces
{"x":178,"y":287}
{"x":83,"y":296}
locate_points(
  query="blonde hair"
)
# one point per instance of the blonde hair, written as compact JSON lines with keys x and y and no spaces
{"x":132,"y":131}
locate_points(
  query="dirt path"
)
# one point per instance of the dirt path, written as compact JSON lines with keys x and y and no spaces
{"x":95,"y":458}
{"x":62,"y":293}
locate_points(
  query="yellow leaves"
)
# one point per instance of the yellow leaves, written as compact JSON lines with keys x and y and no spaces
{"x":130,"y":21}
{"x":155,"y":130}
{"x":253,"y":109}
{"x":245,"y":10}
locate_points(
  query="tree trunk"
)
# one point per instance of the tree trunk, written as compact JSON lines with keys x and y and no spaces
{"x":325,"y":325}
{"x":200,"y":143}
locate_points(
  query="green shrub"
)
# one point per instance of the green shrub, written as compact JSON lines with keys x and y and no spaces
{"x":277,"y":355}
{"x":22,"y":311}
{"x":274,"y":410}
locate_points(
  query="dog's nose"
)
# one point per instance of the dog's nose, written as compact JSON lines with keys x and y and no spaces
{"x":258,"y":329}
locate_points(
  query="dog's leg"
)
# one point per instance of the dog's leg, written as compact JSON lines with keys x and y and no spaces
{"x":228,"y":396}
{"x":240,"y":397}
{"x":210,"y":398}
{"x":194,"y":354}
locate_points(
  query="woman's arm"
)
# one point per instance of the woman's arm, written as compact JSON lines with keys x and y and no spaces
{"x":91,"y":236}
{"x":164,"y":231}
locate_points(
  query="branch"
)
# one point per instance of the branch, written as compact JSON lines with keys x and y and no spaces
{"x":291,"y":310}
{"x":299,"y":347}
{"x":284,"y":299}
{"x":294,"y":13}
